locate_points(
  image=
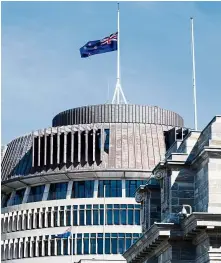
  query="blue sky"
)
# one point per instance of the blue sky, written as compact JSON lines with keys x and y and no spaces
{"x":43,"y":74}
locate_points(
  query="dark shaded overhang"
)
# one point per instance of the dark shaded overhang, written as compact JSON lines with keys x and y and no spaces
{"x":17,"y":182}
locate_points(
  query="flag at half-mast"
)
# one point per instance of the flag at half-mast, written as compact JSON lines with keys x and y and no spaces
{"x":104,"y":45}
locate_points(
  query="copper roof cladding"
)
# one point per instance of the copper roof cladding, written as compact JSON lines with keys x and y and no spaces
{"x":118,"y":113}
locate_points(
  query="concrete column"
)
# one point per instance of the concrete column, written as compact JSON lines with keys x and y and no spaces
{"x":86,"y":146}
{"x":46,"y":217}
{"x":94,"y":137}
{"x":31,"y":247}
{"x":51,"y":149}
{"x":65,"y":148}
{"x":42,"y":247}
{"x":46,"y":192}
{"x":58,"y":145}
{"x":72,"y":145}
{"x":25,"y":198}
{"x":45,"y":147}
{"x":79,"y":145}
{"x":95,"y":188}
{"x":123,"y":188}
{"x":102,"y":144}
{"x":33,"y":149}
{"x":39,"y":148}
{"x":69,"y":190}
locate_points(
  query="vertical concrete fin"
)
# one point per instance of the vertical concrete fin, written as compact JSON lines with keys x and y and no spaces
{"x":65,"y":147}
{"x":58,"y":145}
{"x":86,"y":145}
{"x":45,"y":147}
{"x":72,"y":145}
{"x":94,"y":134}
{"x":51,"y":150}
{"x":79,"y":145}
{"x":33,"y":149}
{"x":39,"y":148}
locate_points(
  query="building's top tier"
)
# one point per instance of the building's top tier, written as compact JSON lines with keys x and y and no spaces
{"x":118,"y":113}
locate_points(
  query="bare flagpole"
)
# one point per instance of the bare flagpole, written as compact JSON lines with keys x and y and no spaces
{"x":118,"y":89}
{"x":194,"y":74}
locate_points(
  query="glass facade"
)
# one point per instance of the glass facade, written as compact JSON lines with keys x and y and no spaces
{"x":18,"y":197}
{"x":4,"y":200}
{"x":113,"y":188}
{"x":58,"y":191}
{"x":117,"y":214}
{"x":83,"y":189}
{"x":80,"y":189}
{"x":36,"y":193}
{"x":132,"y":185}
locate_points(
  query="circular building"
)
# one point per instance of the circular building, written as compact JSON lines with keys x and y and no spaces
{"x":68,"y":190}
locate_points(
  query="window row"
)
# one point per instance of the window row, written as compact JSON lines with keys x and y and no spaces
{"x":80,"y":189}
{"x":82,"y":215}
{"x":78,"y":244}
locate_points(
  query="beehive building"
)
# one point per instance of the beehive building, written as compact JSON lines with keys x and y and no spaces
{"x":81,"y":174}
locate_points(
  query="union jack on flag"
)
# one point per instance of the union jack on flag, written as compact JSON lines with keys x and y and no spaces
{"x":104,"y":45}
{"x":107,"y":40}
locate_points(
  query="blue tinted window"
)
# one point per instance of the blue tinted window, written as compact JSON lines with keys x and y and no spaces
{"x":79,"y":244}
{"x":101,"y":216}
{"x":58,"y":191}
{"x":128,"y":243}
{"x":121,"y":245}
{"x":95,"y":217}
{"x":59,"y":247}
{"x":114,"y":245}
{"x":116,"y":217}
{"x":83,"y":189}
{"x":86,"y":245}
{"x":109,"y":216}
{"x":132,"y":185}
{"x":81,"y":217}
{"x":123,"y":216}
{"x":18,"y":197}
{"x":107,"y":244}
{"x":113,"y":188}
{"x":36,"y":193}
{"x":75,"y":217}
{"x":130,"y":217}
{"x":68,"y":218}
{"x":65,"y":246}
{"x":137,"y":217}
{"x":93,"y":245}
{"x":5,"y":200}
{"x":99,"y":245}
{"x":88,"y":217}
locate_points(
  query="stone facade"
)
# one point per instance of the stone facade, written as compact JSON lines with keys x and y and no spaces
{"x":190,"y":178}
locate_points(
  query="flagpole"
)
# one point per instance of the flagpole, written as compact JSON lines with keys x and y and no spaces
{"x":118,"y":89}
{"x":118,"y":47}
{"x":194,"y":74}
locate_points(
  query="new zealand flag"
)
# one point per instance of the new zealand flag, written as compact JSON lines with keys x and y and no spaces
{"x":95,"y":47}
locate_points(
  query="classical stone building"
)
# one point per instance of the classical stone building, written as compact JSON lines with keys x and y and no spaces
{"x":188,"y":201}
{"x":81,"y":174}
